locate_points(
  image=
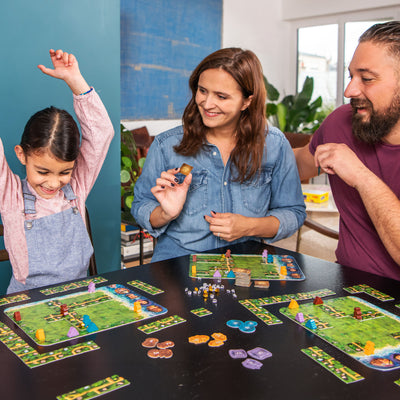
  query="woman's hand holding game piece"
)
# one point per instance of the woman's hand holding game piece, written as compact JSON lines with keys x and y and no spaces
{"x":171,"y":195}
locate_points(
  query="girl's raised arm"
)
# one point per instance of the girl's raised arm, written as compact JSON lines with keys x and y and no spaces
{"x":66,"y":68}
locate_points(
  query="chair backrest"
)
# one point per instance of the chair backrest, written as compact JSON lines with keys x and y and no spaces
{"x":143,"y":141}
{"x":3,"y":252}
{"x":92,"y":263}
{"x":297,"y":139}
{"x":300,"y":140}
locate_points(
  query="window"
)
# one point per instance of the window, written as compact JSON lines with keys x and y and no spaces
{"x":317,"y":58}
{"x":325,"y":47}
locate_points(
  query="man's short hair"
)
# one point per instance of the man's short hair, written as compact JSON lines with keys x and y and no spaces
{"x":386,"y":33}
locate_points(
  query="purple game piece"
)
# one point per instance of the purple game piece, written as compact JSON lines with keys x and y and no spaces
{"x":237,"y":353}
{"x":217,"y":274}
{"x":72,"y":332}
{"x":91,"y":287}
{"x":251,"y":364}
{"x":299,"y":317}
{"x":265,"y":253}
{"x":259,"y":353}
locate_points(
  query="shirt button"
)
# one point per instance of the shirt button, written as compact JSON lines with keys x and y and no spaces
{"x":214,"y":153}
{"x":225,"y":183}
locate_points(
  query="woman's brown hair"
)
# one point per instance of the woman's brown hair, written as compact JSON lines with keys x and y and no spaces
{"x":245,"y":68}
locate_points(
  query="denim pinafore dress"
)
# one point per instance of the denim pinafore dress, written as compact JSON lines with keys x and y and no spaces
{"x":59,"y":247}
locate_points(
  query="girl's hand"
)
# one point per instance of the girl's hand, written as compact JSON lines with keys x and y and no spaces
{"x":66,"y":68}
{"x":170,"y":194}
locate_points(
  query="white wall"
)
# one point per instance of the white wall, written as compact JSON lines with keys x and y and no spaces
{"x":294,"y":9}
{"x":257,"y":25}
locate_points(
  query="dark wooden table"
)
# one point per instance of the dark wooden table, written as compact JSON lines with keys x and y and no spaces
{"x":202,"y":372}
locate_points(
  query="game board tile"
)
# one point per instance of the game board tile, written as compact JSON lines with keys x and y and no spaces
{"x":72,"y":285}
{"x":201,"y":312}
{"x":287,"y":297}
{"x":332,"y":365}
{"x":30,"y":357}
{"x":96,"y":389}
{"x":107,"y":308}
{"x":262,"y":313}
{"x":397,"y":382}
{"x":351,"y":335}
{"x":145,"y":287}
{"x":363,"y":288}
{"x":161,"y":324}
{"x":13,"y":299}
{"x":261,"y":268}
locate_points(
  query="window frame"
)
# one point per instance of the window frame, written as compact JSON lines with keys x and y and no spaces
{"x":382,"y":13}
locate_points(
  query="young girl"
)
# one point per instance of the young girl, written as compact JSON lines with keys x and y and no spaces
{"x":44,"y":232}
{"x":244,"y":183}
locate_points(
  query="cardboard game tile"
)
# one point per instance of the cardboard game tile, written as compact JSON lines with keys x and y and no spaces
{"x":106,"y":308}
{"x":30,"y":357}
{"x":271,"y":267}
{"x":145,"y":287}
{"x":96,"y":389}
{"x":73,"y":285}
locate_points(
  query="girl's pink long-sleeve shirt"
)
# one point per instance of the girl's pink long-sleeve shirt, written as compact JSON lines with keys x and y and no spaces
{"x":97,"y":133}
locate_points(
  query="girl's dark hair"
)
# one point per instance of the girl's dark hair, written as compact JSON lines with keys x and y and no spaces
{"x":245,"y":68}
{"x":52,"y":129}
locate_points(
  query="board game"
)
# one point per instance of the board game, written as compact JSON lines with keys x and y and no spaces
{"x":59,"y":319}
{"x":360,"y":329}
{"x":261,"y":267}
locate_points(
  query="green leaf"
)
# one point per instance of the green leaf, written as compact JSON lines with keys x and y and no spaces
{"x":304,"y":97}
{"x":127,"y":162}
{"x":272,"y":92}
{"x":129,"y":201}
{"x":141,"y":162}
{"x":271,"y":109}
{"x":125,"y":150}
{"x":282,"y":111}
{"x":125,"y":176}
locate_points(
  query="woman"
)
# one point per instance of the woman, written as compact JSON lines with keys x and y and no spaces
{"x":244,"y":182}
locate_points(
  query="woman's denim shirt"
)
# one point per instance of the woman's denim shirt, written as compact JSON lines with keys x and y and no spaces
{"x":277,"y":192}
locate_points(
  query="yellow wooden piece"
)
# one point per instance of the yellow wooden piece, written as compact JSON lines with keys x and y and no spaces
{"x":293,"y":304}
{"x":283,"y":270}
{"x":194,"y":270}
{"x":369,"y":348}
{"x":40,"y":335}
{"x":137,"y":307}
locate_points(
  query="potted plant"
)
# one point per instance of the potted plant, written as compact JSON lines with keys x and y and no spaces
{"x":295,"y":114}
{"x":130,"y":170}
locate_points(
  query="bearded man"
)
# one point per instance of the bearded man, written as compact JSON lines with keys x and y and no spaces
{"x":358,"y":145}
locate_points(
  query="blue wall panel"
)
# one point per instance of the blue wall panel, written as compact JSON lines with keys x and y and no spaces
{"x":161,"y":42}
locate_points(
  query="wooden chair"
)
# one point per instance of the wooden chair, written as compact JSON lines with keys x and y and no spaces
{"x":3,"y":252}
{"x":300,"y":140}
{"x":92,"y":263}
{"x":143,"y":141}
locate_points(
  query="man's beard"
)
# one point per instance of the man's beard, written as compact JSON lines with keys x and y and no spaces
{"x":379,"y":124}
